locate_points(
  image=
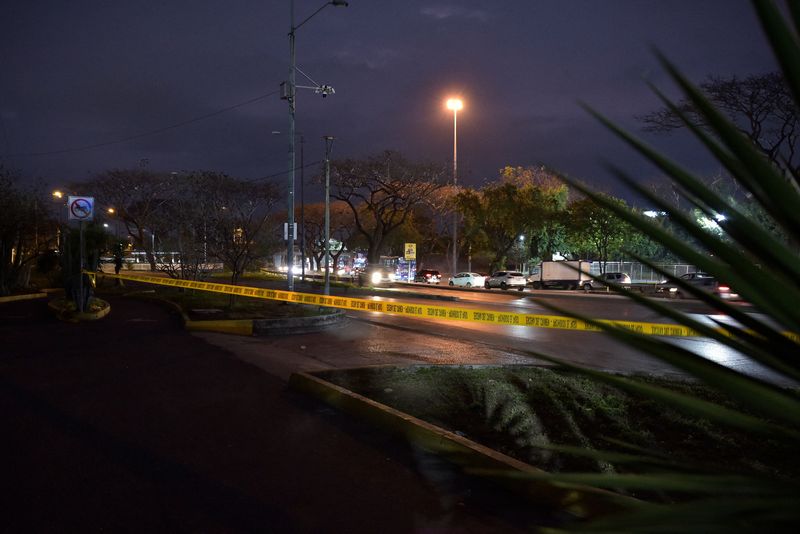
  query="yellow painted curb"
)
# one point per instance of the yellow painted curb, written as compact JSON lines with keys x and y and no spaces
{"x":26,"y":296}
{"x":579,"y":501}
{"x":242,"y":327}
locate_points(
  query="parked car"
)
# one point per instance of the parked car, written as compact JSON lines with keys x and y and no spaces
{"x":505,"y":280}
{"x":468,"y":280}
{"x":620,"y":279}
{"x":701,"y":280}
{"x":428,"y":276}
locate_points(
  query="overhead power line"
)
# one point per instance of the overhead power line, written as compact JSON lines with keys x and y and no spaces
{"x":145,"y":134}
{"x":270,"y":176}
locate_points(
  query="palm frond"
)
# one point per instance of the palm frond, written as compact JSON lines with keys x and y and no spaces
{"x":759,"y":266}
{"x":770,"y":188}
{"x":757,"y":241}
{"x":743,"y":387}
{"x":739,"y":272}
{"x":783,"y":40}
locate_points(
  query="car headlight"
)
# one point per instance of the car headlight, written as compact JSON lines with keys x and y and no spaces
{"x":392,"y":277}
{"x":376,"y":278}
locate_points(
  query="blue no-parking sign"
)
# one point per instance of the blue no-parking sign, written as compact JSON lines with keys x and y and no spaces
{"x":80,"y":208}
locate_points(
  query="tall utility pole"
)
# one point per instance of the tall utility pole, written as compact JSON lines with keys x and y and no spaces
{"x":328,"y":146}
{"x":290,"y":198}
{"x":302,"y":232}
{"x":290,"y":94}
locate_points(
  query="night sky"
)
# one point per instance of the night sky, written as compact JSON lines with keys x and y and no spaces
{"x":90,"y":72}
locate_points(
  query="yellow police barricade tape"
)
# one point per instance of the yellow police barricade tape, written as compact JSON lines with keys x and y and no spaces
{"x":424,"y":311}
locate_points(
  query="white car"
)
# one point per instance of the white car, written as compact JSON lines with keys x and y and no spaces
{"x":505,"y":280}
{"x":468,"y":280}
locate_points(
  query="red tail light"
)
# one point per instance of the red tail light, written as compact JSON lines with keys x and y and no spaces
{"x":724,"y":289}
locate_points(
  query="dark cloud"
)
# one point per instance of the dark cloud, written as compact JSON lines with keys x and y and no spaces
{"x":446,"y":11}
{"x":89,"y":72}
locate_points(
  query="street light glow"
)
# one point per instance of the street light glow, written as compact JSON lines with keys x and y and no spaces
{"x":58,"y":194}
{"x":455,"y":104}
{"x":111,"y":210}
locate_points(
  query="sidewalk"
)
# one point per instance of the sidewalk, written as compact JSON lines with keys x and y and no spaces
{"x":130,"y":423}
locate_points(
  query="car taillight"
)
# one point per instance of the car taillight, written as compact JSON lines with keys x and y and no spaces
{"x":724,"y":289}
{"x":428,"y":275}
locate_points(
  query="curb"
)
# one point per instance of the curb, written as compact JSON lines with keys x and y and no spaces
{"x":579,"y":501}
{"x":266,"y":327}
{"x":26,"y":296}
{"x":297,"y":325}
{"x":240,"y":327}
{"x":256,"y":327}
{"x":78,"y":317}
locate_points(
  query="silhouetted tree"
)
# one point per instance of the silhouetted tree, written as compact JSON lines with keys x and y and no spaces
{"x":27,"y":230}
{"x":382,"y":192}
{"x":138,"y":197}
{"x":761,"y":107}
{"x":236,"y":220}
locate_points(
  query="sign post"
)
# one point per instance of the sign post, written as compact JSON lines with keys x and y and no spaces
{"x":410,"y":253}
{"x":80,"y":209}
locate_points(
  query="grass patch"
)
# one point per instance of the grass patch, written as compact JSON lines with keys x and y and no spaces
{"x":528,"y":412}
{"x":224,"y":277}
{"x":237,"y":308}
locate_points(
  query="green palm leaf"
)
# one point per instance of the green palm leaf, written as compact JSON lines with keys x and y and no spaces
{"x":740,"y":386}
{"x":760,"y":267}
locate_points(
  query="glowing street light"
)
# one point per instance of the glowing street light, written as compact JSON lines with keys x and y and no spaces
{"x":455,"y":104}
{"x":57,"y":194}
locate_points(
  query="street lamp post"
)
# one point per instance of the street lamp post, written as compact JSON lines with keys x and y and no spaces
{"x":455,"y":104}
{"x":58,"y":195}
{"x":328,"y":146}
{"x":290,"y":96}
{"x":302,"y":231}
{"x":112,"y":212}
{"x":302,"y":213}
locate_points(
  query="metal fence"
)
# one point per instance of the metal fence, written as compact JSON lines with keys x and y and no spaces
{"x":641,"y":273}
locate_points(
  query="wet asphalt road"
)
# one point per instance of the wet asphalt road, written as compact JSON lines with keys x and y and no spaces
{"x":492,"y":343}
